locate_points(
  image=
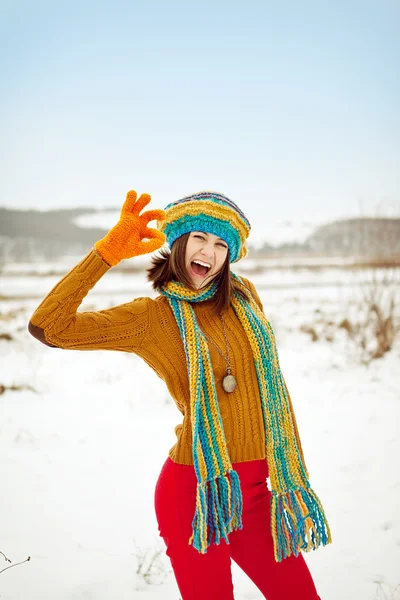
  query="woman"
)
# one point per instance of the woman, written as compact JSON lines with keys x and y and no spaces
{"x":207,"y":337}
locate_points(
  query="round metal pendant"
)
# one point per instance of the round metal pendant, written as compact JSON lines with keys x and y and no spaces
{"x":229,"y":383}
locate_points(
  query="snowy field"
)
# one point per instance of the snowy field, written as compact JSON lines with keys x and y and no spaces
{"x":82,"y":447}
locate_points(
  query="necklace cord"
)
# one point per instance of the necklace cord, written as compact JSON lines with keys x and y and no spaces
{"x":227,"y":359}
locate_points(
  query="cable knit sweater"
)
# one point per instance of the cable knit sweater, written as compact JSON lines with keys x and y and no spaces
{"x":147,"y":327}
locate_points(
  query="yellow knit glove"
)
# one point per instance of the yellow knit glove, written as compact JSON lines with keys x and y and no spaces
{"x":124,"y":240}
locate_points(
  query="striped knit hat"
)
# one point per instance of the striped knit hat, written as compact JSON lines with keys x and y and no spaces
{"x":209,"y":212}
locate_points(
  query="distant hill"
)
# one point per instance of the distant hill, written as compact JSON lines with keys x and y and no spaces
{"x":49,"y":225}
{"x":32,"y":235}
{"x":358,"y":237}
{"x":368,"y":236}
{"x":29,"y":235}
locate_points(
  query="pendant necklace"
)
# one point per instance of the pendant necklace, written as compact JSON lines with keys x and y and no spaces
{"x":229,"y":382}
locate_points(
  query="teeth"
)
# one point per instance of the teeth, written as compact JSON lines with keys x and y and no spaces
{"x":203,"y":264}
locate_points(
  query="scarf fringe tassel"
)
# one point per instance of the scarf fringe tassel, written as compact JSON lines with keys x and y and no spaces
{"x":218,"y":511}
{"x":298,"y":522}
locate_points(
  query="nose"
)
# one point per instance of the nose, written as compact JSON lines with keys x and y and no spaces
{"x":208,"y":249}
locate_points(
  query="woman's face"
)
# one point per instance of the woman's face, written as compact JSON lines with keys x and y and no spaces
{"x":209,"y":250}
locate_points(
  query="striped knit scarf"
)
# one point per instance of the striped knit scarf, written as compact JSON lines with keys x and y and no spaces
{"x":298,"y":520}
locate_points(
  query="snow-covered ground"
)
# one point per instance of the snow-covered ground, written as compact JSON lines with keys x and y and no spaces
{"x":80,"y":455}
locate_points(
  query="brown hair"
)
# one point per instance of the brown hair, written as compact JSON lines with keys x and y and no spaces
{"x":170,"y":265}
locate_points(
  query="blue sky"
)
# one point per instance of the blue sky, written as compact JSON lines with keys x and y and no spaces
{"x":290,"y":108}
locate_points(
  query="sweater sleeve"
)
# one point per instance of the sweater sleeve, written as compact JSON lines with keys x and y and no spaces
{"x":256,"y":297}
{"x":57,"y":323}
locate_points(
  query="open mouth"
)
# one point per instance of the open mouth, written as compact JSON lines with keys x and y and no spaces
{"x":200,"y":269}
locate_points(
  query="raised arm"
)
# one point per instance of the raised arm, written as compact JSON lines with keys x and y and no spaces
{"x":56,"y":321}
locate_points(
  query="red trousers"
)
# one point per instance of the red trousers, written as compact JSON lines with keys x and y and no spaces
{"x":208,"y":576}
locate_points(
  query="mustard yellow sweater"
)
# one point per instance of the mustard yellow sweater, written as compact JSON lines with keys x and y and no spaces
{"x":147,"y":327}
